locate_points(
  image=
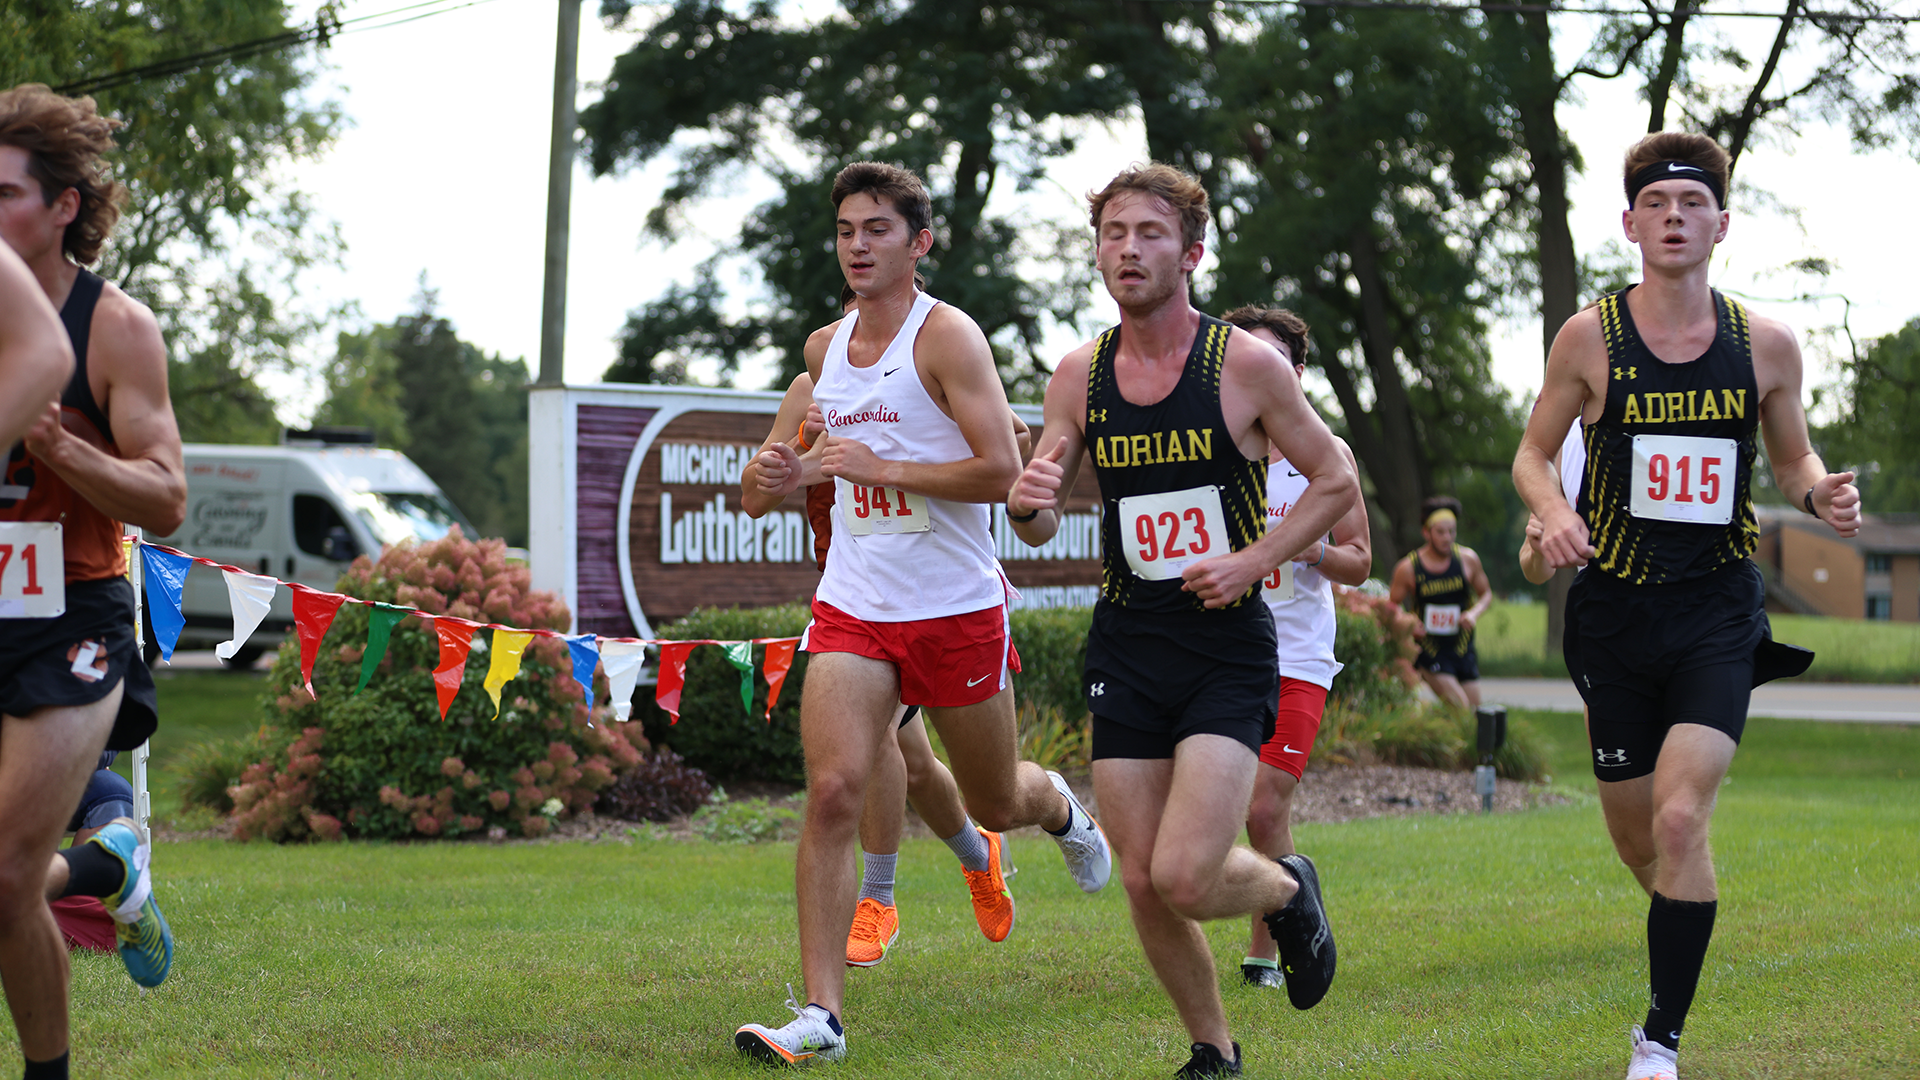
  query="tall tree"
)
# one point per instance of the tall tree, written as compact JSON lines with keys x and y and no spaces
{"x":1879,"y":395}
{"x":211,"y":239}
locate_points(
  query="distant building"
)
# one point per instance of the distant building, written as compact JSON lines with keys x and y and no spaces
{"x":1810,"y":571}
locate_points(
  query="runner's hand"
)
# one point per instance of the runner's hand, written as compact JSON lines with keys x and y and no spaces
{"x":1841,"y":500}
{"x":815,"y":423}
{"x":1219,"y":582}
{"x":44,"y":437}
{"x":778,"y":472}
{"x":1564,"y":539}
{"x":850,"y":460}
{"x":1038,"y":487}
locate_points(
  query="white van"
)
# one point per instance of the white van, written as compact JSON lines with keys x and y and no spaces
{"x":298,"y":512}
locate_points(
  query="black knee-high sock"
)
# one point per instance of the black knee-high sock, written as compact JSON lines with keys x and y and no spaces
{"x":1677,"y":936}
{"x":55,"y":1069}
{"x":92,"y":872}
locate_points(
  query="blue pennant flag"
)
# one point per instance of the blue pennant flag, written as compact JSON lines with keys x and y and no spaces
{"x":586,"y":656}
{"x":165,"y":575}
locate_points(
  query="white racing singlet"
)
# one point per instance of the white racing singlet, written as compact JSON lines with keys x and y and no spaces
{"x":1304,"y":625}
{"x":1573,"y":463}
{"x":932,"y":558}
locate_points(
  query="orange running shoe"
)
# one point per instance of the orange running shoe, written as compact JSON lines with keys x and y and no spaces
{"x":875,"y":926}
{"x":992,"y":902}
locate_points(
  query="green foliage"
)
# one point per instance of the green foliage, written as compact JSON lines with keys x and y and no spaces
{"x":458,"y":412}
{"x":1370,"y":679}
{"x":1429,"y":736}
{"x":745,"y":821}
{"x":1055,"y":739}
{"x":210,"y":769}
{"x":1875,"y":435}
{"x":1053,"y":658}
{"x":715,"y":734}
{"x":202,"y":154}
{"x":382,"y":763}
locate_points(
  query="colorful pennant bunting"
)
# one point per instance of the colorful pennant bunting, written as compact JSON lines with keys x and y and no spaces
{"x":673,"y":675}
{"x":508,"y":645}
{"x":380,"y":624}
{"x":456,"y":638}
{"x":622,"y":660}
{"x":585,"y":650}
{"x":740,"y":655}
{"x":313,"y":613}
{"x":779,"y":659}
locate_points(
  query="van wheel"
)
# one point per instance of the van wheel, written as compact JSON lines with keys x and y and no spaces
{"x":243,"y":660}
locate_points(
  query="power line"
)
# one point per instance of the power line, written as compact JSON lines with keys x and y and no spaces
{"x":1563,"y":9}
{"x":325,"y":27}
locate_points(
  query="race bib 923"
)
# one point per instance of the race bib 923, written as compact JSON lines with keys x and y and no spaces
{"x":1167,"y":532}
{"x":1683,"y":478}
{"x":33,"y":570}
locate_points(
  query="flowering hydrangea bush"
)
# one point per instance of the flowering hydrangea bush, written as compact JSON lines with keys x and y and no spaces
{"x":382,"y":763}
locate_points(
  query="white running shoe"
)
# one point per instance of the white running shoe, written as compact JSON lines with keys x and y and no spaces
{"x":1651,"y":1061}
{"x":1089,"y":859}
{"x":809,"y":1037}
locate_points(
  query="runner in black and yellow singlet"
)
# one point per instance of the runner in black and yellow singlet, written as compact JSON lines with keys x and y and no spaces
{"x":1446,"y":586}
{"x":1436,"y":596}
{"x":1155,"y":652}
{"x":1666,"y":628}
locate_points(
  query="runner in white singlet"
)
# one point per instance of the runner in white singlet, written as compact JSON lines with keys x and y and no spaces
{"x":912,"y":608}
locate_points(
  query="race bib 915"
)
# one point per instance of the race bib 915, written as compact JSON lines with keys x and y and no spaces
{"x":1167,"y":532}
{"x":1683,"y":478}
{"x":869,"y":510}
{"x":33,"y":570}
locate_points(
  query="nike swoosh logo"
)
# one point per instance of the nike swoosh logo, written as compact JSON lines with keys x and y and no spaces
{"x":1674,"y":166}
{"x":1285,"y":749}
{"x":978,"y":681}
{"x":884,"y":374}
{"x":1290,"y":472}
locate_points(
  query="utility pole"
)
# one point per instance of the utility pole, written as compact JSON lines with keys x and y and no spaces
{"x":553,"y":310}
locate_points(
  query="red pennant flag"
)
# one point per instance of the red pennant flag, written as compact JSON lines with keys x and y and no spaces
{"x":313,"y":613}
{"x":673,"y":675}
{"x":779,"y":660}
{"x":456,"y":637}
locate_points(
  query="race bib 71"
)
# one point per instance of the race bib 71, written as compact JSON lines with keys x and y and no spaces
{"x":33,"y":570}
{"x":1683,"y":478}
{"x":869,"y":510}
{"x":1167,"y":532}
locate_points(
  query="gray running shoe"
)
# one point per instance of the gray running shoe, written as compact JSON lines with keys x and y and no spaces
{"x":1304,"y":936}
{"x":1089,"y":859}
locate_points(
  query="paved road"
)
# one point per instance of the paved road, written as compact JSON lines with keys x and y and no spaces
{"x":1856,"y":702}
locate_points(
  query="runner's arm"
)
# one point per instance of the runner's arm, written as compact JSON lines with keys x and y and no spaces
{"x":1482,"y":588}
{"x":1533,"y":564}
{"x":146,"y":484}
{"x":1349,"y":559}
{"x":769,"y":478}
{"x":1563,"y":397}
{"x":1797,"y":468}
{"x":1056,"y":463}
{"x":1401,"y":590}
{"x":36,"y":359}
{"x":959,"y":362}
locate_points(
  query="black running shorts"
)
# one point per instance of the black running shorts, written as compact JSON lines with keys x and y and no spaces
{"x":1647,"y":657}
{"x":1442,"y":655}
{"x":1155,"y":679}
{"x":78,"y":658}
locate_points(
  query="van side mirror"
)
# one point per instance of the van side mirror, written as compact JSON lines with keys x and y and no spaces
{"x":339,"y":545}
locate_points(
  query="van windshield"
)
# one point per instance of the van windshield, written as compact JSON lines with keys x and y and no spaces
{"x":394,"y":517}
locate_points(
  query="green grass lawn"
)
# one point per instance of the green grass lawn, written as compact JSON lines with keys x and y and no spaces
{"x":1470,"y":947}
{"x":1511,"y":641}
{"x":195,"y":707}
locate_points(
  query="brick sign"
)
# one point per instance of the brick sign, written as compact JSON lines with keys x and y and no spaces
{"x":636,"y":515}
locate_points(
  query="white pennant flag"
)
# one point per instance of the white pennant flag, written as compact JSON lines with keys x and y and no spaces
{"x":251,"y":596}
{"x":621,"y":661}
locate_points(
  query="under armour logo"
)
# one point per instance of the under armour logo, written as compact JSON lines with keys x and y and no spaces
{"x":1096,"y":689}
{"x":1610,"y":757}
{"x":1626,"y":373}
{"x":1097,"y":416}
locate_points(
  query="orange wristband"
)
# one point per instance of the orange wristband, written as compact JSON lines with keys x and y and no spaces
{"x":801,"y":442}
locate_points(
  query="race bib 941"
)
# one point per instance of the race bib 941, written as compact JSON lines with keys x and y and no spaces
{"x":869,"y":510}
{"x":33,"y":570}
{"x":1167,"y":532}
{"x":1683,"y":478}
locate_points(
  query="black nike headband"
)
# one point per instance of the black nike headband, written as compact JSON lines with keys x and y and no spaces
{"x":1674,"y":170}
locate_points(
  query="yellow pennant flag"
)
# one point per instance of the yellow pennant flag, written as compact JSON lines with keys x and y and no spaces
{"x":507,"y":647}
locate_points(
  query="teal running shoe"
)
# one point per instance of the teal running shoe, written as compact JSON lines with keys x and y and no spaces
{"x":146,"y":944}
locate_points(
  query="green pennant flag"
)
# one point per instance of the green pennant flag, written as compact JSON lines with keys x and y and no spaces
{"x":740,"y":655}
{"x":380,"y":626}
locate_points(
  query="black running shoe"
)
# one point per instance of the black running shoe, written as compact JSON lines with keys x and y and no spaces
{"x":1207,"y":1062}
{"x":1304,"y":936}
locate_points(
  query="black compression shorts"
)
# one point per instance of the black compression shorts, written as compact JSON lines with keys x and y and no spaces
{"x":78,"y":658}
{"x":1647,"y":657}
{"x":1154,"y":679}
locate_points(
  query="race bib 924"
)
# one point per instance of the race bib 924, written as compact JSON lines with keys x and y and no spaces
{"x":33,"y":570}
{"x":1443,"y":619}
{"x":1167,"y":532}
{"x":1683,"y":478}
{"x":869,"y":510}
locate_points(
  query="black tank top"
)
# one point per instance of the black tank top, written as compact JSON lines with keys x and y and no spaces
{"x":1449,"y":586}
{"x":77,"y":316}
{"x":1714,"y":396}
{"x":1177,"y":443}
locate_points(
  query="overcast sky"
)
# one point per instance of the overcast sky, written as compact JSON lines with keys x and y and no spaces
{"x":442,"y":171}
